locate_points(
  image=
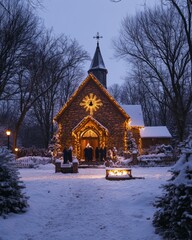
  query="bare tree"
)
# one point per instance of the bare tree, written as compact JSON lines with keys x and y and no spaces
{"x":68,"y":84}
{"x":155,"y":43}
{"x":115,"y":91}
{"x":48,"y":104}
{"x":184,"y":10}
{"x":39,"y":76}
{"x":32,"y":62}
{"x":17,"y":29}
{"x":33,"y":3}
{"x":130,"y":91}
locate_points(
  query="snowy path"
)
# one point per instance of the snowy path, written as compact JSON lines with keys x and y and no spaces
{"x":85,"y":206}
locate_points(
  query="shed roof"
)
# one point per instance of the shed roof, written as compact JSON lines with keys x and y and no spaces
{"x":155,"y":132}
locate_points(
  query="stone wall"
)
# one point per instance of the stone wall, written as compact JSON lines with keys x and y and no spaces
{"x":108,"y":115}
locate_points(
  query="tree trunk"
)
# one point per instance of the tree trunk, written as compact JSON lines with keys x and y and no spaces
{"x":17,"y":128}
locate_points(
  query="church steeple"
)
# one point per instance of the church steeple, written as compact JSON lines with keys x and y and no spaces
{"x":97,"y":66}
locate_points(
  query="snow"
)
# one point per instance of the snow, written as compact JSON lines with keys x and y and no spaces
{"x":155,"y":132}
{"x":32,"y":161}
{"x":86,"y":206}
{"x":184,"y":170}
{"x":135,"y":113}
{"x":152,"y":157}
{"x":75,"y":160}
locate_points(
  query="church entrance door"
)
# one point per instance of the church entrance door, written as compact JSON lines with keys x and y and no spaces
{"x":89,"y":132}
{"x":89,"y":139}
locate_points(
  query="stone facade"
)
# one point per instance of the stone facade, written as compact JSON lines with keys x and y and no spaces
{"x":109,"y":116}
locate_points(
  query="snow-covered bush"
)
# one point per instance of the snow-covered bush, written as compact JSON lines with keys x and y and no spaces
{"x":32,"y":161}
{"x":160,"y":159}
{"x":173,"y":219}
{"x":12,"y":199}
{"x":156,"y":149}
{"x":124,"y":162}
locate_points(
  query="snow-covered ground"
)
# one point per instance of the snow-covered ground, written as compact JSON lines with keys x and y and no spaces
{"x":86,"y":206}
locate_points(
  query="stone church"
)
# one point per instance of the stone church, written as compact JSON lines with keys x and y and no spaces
{"x":93,"y":117}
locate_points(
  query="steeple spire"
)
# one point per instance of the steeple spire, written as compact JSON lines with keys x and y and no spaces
{"x":97,"y":65}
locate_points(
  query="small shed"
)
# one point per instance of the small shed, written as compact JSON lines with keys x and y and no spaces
{"x":151,"y":136}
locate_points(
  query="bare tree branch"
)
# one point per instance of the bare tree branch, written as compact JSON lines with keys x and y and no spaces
{"x":156,"y":44}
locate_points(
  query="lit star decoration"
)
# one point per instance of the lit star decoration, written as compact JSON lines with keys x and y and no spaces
{"x":91,"y":103}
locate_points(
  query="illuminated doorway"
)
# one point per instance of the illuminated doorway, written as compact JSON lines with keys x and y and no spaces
{"x":89,"y":130}
{"x":90,"y":138}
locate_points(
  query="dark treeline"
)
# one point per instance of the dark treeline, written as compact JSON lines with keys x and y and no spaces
{"x":38,"y":73}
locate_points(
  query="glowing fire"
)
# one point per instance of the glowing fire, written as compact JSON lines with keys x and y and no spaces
{"x":116,"y":172}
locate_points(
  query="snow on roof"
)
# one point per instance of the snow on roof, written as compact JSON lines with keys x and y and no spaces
{"x":155,"y":132}
{"x":135,"y":113}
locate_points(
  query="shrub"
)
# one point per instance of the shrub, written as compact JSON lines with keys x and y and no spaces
{"x":12,"y":199}
{"x":173,"y":219}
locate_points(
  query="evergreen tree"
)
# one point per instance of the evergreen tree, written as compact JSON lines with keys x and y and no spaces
{"x":12,"y":199}
{"x":173,"y":219}
{"x":131,"y":144}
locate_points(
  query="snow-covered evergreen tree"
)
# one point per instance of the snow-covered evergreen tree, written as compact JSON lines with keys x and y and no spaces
{"x":131,"y":144}
{"x":12,"y":199}
{"x":173,"y":219}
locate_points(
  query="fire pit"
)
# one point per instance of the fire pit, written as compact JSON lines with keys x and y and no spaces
{"x":118,"y":174}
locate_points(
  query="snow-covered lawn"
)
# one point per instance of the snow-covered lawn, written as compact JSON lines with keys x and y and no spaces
{"x":86,"y":206}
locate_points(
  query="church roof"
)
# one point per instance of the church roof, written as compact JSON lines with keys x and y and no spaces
{"x":155,"y":132}
{"x":97,"y":61}
{"x":82,"y":85}
{"x":135,"y":113}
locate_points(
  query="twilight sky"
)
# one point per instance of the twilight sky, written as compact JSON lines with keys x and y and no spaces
{"x":82,"y":19}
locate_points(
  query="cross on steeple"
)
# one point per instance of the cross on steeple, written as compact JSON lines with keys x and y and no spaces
{"x":98,"y":37}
